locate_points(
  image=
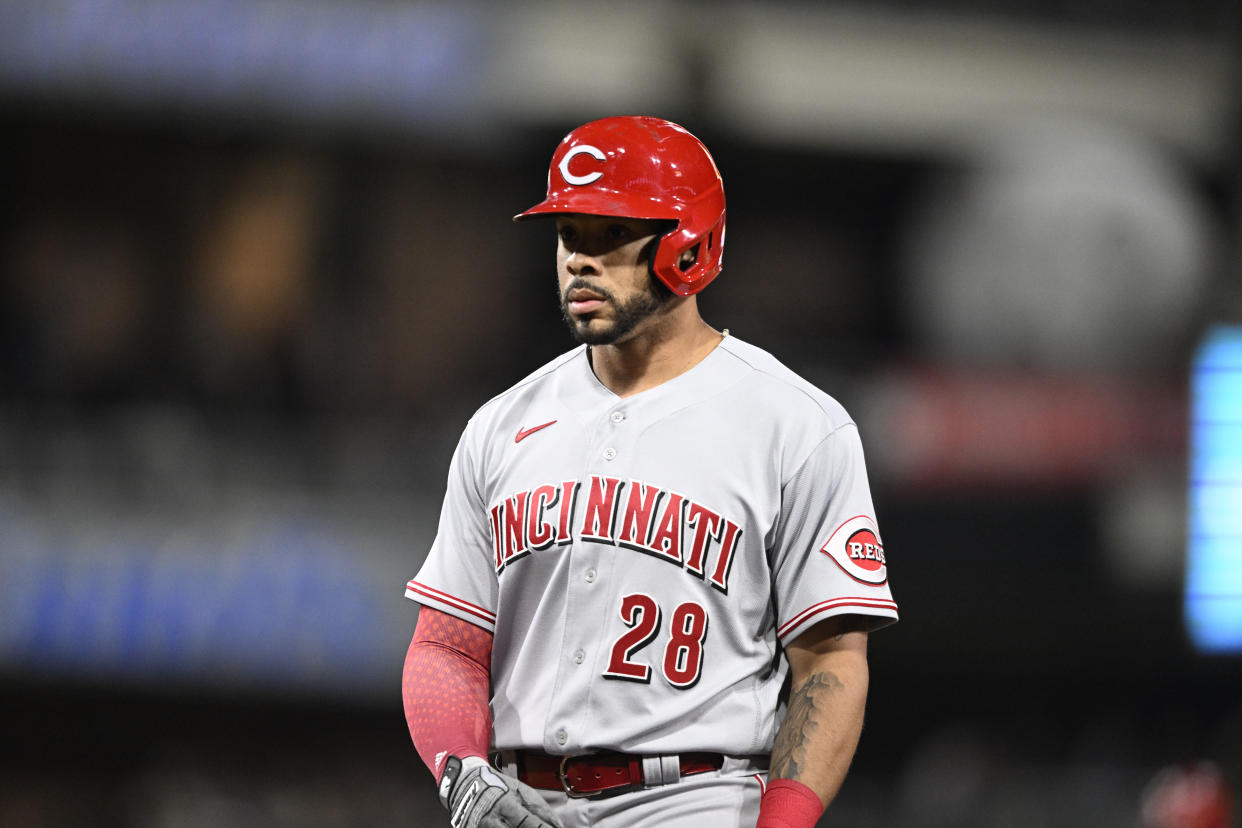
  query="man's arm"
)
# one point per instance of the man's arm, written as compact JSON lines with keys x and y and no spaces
{"x":446,"y":687}
{"x":824,"y":718}
{"x":823,"y":721}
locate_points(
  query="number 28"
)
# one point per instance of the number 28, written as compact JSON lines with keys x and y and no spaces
{"x":683,"y":655}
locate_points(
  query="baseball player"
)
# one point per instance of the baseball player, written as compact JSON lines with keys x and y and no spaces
{"x":657,"y":562}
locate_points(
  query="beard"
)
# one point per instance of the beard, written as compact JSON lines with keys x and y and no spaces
{"x":626,"y":315}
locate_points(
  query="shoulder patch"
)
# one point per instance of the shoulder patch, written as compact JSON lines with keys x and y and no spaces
{"x":855,"y":546}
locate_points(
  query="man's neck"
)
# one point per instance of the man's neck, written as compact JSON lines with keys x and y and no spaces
{"x":656,"y":355}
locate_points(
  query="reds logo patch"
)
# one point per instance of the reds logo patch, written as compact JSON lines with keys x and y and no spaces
{"x":857,"y":549}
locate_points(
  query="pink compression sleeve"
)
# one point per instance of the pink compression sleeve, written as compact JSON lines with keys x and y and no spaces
{"x":446,"y":688}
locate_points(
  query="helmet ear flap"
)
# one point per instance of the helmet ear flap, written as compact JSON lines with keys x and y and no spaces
{"x":686,"y":261}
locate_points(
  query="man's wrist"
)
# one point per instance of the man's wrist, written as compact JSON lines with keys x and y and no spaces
{"x":788,"y":803}
{"x":454,"y":768}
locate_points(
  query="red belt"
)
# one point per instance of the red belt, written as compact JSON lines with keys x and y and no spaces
{"x":599,"y":774}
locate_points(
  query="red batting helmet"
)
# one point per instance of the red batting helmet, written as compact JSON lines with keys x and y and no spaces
{"x":646,"y":168}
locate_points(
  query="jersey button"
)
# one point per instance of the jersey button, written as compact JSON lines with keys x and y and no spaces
{"x":610,"y":453}
{"x":579,"y":656}
{"x":561,"y":737}
{"x":589,"y":575}
{"x":618,"y":416}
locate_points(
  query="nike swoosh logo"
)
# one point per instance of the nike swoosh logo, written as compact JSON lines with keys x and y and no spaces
{"x":523,"y":433}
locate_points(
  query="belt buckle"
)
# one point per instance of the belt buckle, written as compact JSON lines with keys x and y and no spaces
{"x":565,"y":784}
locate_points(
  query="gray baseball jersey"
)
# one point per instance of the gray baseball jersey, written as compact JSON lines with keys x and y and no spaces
{"x":640,"y":560}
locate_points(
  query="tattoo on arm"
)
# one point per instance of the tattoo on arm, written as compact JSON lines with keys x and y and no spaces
{"x":806,"y":703}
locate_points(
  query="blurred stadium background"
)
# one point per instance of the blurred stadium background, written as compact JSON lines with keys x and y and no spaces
{"x":257,"y":268}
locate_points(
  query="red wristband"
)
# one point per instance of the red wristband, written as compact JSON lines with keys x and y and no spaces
{"x":789,"y":804}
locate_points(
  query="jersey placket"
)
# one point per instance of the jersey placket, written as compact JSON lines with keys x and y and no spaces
{"x":589,"y":589}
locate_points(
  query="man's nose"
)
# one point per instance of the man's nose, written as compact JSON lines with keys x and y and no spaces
{"x":580,"y":262}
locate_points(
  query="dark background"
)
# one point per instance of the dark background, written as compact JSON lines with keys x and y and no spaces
{"x":257,"y":268}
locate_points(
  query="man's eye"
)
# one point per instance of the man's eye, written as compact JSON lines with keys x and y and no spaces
{"x":617,"y":232}
{"x":567,"y":234}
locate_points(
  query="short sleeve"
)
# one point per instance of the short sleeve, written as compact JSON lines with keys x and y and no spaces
{"x":828,"y":557}
{"x":458,"y":576}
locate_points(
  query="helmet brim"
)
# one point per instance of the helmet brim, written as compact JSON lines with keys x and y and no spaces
{"x":601,"y":204}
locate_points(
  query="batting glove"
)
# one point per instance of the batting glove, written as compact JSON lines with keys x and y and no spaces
{"x":479,"y":796}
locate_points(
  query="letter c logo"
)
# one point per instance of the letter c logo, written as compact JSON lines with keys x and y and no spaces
{"x":581,"y":149}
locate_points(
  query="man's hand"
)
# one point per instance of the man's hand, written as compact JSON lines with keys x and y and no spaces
{"x":479,"y":796}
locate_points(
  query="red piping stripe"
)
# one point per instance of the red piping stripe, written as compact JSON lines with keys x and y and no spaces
{"x":451,"y":600}
{"x":827,"y":605}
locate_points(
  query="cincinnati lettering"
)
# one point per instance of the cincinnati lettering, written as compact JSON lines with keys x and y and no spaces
{"x":628,"y":513}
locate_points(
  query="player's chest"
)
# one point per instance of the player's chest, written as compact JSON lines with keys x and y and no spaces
{"x":681,"y":492}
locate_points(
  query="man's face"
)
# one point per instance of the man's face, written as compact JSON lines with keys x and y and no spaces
{"x":606,"y":290}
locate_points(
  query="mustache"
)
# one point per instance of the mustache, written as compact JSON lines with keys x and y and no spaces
{"x":580,"y":283}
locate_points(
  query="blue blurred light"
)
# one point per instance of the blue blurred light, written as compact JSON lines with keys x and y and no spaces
{"x":287,"y":603}
{"x":1213,"y":597}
